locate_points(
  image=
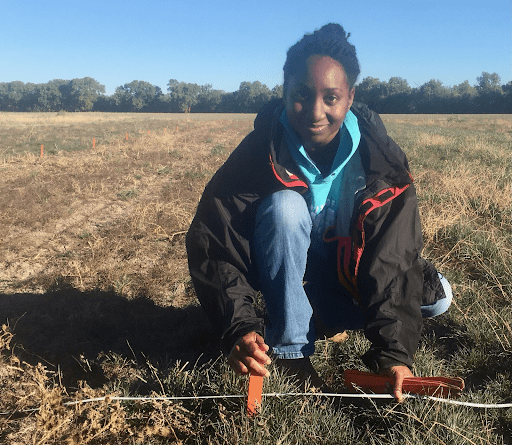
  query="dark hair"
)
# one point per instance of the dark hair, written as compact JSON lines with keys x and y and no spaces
{"x":330,"y":40}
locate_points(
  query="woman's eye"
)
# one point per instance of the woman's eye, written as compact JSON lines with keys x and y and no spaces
{"x":331,"y":99}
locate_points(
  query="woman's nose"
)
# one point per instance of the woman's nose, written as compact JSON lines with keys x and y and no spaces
{"x":317,"y":110}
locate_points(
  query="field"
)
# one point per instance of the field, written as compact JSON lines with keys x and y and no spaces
{"x":95,"y":297}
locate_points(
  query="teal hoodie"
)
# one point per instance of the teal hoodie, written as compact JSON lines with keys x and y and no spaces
{"x":323,"y":196}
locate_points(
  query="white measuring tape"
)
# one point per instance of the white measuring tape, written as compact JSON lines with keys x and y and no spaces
{"x":297,"y":394}
{"x":275,"y":394}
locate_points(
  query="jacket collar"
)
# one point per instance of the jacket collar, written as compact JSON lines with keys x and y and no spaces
{"x":381,"y":157}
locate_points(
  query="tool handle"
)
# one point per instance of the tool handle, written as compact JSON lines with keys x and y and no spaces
{"x":379,"y":384}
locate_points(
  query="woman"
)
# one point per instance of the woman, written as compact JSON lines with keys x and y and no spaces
{"x":316,"y":209}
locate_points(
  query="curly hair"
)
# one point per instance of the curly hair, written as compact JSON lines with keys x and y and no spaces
{"x":330,"y":40}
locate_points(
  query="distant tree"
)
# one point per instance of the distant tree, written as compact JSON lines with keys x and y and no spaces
{"x":4,"y":86}
{"x":464,"y":96}
{"x":433,"y":88}
{"x":398,"y":97}
{"x":84,"y":93}
{"x":208,"y":100}
{"x":371,"y":91}
{"x":488,"y":82}
{"x":490,"y":94}
{"x":465,"y":89}
{"x":17,"y":96}
{"x":433,"y":97}
{"x":105,"y":104}
{"x":507,"y":88}
{"x":136,"y":96}
{"x":251,"y":96}
{"x":48,"y":96}
{"x":228,"y":103}
{"x":277,"y":92}
{"x":397,"y":85}
{"x":183,"y":96}
{"x":507,"y":97}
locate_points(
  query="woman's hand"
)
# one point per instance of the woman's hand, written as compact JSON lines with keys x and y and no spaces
{"x":249,"y":355}
{"x":398,"y":373}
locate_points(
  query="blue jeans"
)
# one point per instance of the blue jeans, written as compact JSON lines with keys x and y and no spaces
{"x":300,"y":288}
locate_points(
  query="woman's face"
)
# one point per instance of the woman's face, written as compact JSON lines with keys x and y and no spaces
{"x":317,"y":99}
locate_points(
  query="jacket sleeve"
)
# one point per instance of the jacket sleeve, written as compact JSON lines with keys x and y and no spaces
{"x":218,"y":247}
{"x":391,"y":282}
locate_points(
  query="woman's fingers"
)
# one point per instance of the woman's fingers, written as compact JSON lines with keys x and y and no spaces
{"x":248,"y":355}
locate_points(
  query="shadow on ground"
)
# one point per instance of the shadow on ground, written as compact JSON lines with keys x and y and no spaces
{"x":65,"y":328}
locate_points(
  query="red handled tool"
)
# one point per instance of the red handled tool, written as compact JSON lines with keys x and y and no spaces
{"x":427,"y":386}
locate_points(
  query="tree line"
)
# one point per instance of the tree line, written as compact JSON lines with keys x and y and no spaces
{"x":397,"y":96}
{"x":488,"y":95}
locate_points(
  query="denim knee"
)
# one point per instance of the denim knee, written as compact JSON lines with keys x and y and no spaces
{"x":442,"y":305}
{"x":287,"y":209}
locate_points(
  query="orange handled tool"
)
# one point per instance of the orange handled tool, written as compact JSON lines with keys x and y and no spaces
{"x":254,"y":394}
{"x":428,"y":386}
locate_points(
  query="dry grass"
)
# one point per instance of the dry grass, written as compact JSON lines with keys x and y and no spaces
{"x":92,"y":250}
{"x":501,"y":123}
{"x":112,"y":217}
{"x":96,"y":298}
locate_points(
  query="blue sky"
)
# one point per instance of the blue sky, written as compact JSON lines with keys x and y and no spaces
{"x":224,"y":43}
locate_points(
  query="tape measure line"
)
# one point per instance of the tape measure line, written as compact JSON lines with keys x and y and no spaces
{"x":275,"y":394}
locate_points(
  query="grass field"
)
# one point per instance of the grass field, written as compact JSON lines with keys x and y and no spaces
{"x":95,"y":297}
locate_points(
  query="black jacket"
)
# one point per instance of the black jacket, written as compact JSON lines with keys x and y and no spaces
{"x":379,"y":263}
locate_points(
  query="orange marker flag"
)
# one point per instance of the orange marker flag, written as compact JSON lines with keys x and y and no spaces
{"x":42,"y":150}
{"x":93,"y":142}
{"x":254,"y":394}
{"x":126,"y":136}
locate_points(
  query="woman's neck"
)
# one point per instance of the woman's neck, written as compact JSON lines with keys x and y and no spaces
{"x":323,"y":157}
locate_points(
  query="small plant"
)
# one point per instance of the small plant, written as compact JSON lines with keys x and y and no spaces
{"x":196,"y":175}
{"x":218,"y":150}
{"x":455,"y":118}
{"x":127,"y":194}
{"x":175,"y":154}
{"x":121,"y":283}
{"x":84,"y":235}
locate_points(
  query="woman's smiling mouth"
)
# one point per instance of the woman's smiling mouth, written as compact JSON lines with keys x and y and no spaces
{"x":316,"y":128}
